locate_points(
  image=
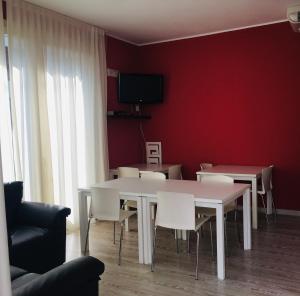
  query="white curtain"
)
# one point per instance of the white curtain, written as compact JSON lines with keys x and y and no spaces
{"x":6,"y":137}
{"x":58,"y":103}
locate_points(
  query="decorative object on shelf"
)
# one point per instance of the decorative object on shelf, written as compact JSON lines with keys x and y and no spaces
{"x":153,"y":152}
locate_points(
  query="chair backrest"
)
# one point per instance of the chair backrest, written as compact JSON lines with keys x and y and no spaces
{"x":216,"y":178}
{"x":175,"y":210}
{"x":153,"y":152}
{"x":266,"y":178}
{"x":220,"y":179}
{"x":153,"y":175}
{"x":174,"y":172}
{"x":128,"y":172}
{"x":205,"y":165}
{"x":105,"y":204}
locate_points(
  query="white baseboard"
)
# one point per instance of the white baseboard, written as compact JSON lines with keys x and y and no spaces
{"x":288,"y":212}
{"x":279,"y":211}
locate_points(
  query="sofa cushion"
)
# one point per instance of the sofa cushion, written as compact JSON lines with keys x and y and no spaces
{"x":13,"y":196}
{"x":77,"y":277}
{"x":30,"y":247}
{"x":16,"y":272}
{"x":27,"y":235}
{"x":24,"y":280}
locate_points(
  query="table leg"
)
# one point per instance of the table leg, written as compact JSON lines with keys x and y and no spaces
{"x":269,"y":203}
{"x":126,"y":220}
{"x":247,"y":219}
{"x":220,"y":242}
{"x":83,"y":219}
{"x":147,"y":230}
{"x":140,"y":230}
{"x":254,"y":203}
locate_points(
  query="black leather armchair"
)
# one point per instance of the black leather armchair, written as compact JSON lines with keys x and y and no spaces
{"x":77,"y":278}
{"x":37,"y":231}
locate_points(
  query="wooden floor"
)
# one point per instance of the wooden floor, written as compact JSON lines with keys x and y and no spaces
{"x":272,"y":267}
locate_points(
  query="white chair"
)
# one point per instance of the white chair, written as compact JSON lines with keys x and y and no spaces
{"x":153,"y":152}
{"x":217,"y":178}
{"x":153,"y":175}
{"x":129,"y":172}
{"x":209,"y":212}
{"x":177,"y":211}
{"x":174,"y":172}
{"x":105,"y":206}
{"x":157,"y":176}
{"x":205,"y":165}
{"x":266,"y":187}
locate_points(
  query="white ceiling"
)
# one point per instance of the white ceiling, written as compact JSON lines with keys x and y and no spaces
{"x":148,"y":21}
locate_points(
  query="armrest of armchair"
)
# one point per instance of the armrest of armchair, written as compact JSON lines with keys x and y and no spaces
{"x":41,"y":214}
{"x":65,"y":279}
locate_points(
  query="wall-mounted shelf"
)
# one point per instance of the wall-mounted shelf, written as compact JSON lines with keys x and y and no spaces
{"x":129,"y":116}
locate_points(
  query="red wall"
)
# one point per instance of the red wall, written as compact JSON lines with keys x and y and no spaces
{"x":124,"y":142}
{"x":231,"y":98}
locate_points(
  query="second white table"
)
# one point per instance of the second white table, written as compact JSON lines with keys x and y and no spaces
{"x":244,"y":173}
{"x":145,"y":167}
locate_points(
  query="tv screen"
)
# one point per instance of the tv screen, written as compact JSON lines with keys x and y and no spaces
{"x":140,"y":88}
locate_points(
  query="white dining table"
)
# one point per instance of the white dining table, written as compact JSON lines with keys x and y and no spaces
{"x":243,"y":173}
{"x":144,"y":192}
{"x":145,"y":167}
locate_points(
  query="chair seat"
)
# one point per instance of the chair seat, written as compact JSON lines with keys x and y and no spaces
{"x":200,"y":221}
{"x":124,"y":214}
{"x":210,"y":212}
{"x":131,"y":204}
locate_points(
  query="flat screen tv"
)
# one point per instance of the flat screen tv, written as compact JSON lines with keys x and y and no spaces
{"x":140,"y":88}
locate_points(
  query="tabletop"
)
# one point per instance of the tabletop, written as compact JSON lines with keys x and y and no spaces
{"x":235,"y":170}
{"x":164,"y":167}
{"x":213,"y":192}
